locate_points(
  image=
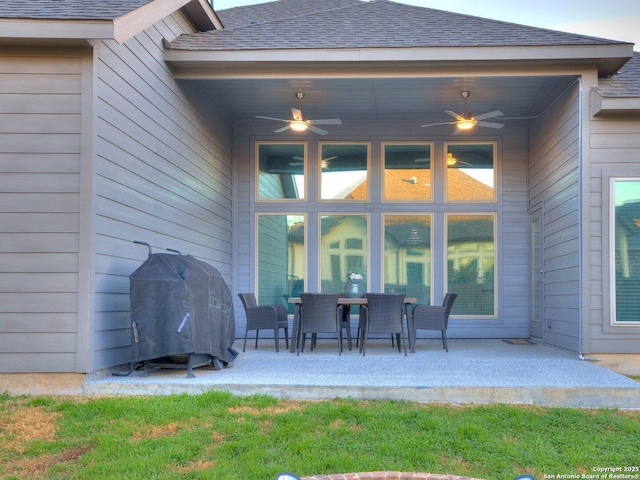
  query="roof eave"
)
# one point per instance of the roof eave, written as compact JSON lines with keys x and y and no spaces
{"x":607,"y":58}
{"x":60,"y":32}
{"x":602,"y":105}
{"x":136,"y":21}
{"x":53,"y":32}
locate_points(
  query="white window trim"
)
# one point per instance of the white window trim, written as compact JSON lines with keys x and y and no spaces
{"x":612,"y":253}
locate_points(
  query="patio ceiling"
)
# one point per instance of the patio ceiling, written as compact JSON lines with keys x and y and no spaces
{"x":420,"y":99}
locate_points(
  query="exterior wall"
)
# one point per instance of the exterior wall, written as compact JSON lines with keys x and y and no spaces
{"x":510,"y":210}
{"x":162,"y":176}
{"x":554,"y":153}
{"x":615,"y":152}
{"x":41,"y":117}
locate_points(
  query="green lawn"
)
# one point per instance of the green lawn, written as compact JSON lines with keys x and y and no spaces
{"x":221,"y":436}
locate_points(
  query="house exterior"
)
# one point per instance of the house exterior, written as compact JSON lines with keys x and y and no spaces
{"x":136,"y":120}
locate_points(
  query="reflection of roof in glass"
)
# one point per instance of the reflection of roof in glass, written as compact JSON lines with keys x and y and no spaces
{"x":416,"y":184}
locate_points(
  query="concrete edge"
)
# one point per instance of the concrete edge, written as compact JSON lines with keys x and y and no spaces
{"x":622,"y":398}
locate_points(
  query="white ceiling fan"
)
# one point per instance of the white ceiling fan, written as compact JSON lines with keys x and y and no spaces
{"x":298,"y":123}
{"x":466,"y":121}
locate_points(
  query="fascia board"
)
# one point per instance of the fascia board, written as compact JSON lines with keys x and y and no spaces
{"x":129,"y":25}
{"x":19,"y":29}
{"x":452,"y":54}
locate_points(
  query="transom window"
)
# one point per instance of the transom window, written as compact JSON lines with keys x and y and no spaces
{"x":470,"y":171}
{"x":407,"y":172}
{"x":281,"y":170}
{"x":344,"y":168}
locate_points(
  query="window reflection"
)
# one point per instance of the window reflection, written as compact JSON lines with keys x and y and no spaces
{"x":627,"y":251}
{"x":470,"y":172}
{"x":407,"y":172}
{"x":344,"y":168}
{"x":343,"y":254}
{"x":470,"y":263}
{"x":407,"y":256}
{"x":281,"y":168}
{"x":280,"y":257}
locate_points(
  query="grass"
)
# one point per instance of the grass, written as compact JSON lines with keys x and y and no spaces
{"x":220,"y":436}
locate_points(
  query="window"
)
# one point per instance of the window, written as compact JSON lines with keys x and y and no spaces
{"x":470,"y":171}
{"x":281,"y":170}
{"x":407,"y":172}
{"x":626,"y":226}
{"x":343,"y":253}
{"x":389,"y":216}
{"x":344,"y":171}
{"x":407,"y":256}
{"x":280,"y":257}
{"x":471,"y":263}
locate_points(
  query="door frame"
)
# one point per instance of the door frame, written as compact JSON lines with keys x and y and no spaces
{"x":536,"y":272}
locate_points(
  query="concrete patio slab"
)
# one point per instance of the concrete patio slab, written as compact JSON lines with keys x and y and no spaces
{"x":473,"y":371}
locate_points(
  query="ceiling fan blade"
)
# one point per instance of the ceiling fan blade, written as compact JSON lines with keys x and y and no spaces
{"x":319,"y":131}
{"x":490,"y":124}
{"x":441,"y":123}
{"x":272,"y":118}
{"x":296,"y":114}
{"x":325,"y":121}
{"x":495,"y":113}
{"x":280,"y":130}
{"x":454,"y":115}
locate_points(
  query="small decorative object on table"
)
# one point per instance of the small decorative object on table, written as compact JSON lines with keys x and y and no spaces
{"x":354,"y":281}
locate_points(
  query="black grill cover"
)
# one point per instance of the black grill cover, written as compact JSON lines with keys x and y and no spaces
{"x":179,"y":306}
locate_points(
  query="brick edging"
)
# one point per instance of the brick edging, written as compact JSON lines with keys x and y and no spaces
{"x":388,"y":476}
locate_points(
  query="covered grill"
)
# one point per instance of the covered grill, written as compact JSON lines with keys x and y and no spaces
{"x":180,"y":306}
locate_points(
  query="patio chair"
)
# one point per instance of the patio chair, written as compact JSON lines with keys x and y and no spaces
{"x":382,"y":314}
{"x":430,"y":317}
{"x":271,"y":317}
{"x":319,"y":313}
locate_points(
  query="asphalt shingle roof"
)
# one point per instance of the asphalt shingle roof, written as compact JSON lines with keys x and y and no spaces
{"x":299,"y":24}
{"x":68,"y":9}
{"x":625,"y":83}
{"x":271,"y":11}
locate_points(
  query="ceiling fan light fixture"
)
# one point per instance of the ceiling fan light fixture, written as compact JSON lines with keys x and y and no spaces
{"x":466,"y":124}
{"x":299,"y":125}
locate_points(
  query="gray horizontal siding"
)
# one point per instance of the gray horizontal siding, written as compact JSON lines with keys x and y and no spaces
{"x":163,"y":176}
{"x":615,"y":152}
{"x":554,"y":183}
{"x":40,"y":131}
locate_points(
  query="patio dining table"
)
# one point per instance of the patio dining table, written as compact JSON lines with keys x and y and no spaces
{"x":297,"y":302}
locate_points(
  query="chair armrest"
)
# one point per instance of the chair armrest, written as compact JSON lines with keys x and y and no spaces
{"x":281,"y":312}
{"x":429,"y":317}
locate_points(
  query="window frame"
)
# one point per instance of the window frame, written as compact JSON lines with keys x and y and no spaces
{"x":613,"y":322}
{"x":496,"y":257}
{"x":256,"y":153}
{"x":383,"y":224}
{"x":367,"y":199}
{"x":445,"y":182}
{"x":305,"y":255}
{"x":383,"y":165}
{"x":367,"y":246}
